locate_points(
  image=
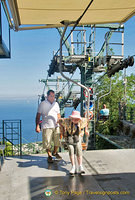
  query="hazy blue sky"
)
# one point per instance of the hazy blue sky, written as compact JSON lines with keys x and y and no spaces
{"x":31,"y":54}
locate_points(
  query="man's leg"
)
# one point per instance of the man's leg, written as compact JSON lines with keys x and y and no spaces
{"x":55,"y":149}
{"x":47,"y":139}
{"x":56,"y":138}
{"x":49,"y":152}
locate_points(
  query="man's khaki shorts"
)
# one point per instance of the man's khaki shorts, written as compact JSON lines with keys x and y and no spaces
{"x":49,"y":135}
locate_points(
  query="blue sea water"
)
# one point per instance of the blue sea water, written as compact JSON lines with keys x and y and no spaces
{"x":24,"y":110}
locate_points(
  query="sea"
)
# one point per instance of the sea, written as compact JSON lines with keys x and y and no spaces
{"x":24,"y":110}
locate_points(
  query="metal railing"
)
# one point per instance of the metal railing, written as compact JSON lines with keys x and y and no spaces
{"x":126,"y":113}
{"x":11,"y":132}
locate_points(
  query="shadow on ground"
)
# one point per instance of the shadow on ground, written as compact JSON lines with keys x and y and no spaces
{"x":87,"y":187}
{"x":41,"y":162}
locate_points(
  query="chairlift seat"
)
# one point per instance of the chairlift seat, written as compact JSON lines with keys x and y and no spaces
{"x":104,"y":117}
{"x":84,"y":146}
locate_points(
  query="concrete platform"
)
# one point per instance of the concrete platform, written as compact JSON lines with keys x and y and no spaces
{"x":110,"y":174}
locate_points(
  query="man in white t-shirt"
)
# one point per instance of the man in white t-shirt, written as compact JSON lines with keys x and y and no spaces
{"x":50,"y":112}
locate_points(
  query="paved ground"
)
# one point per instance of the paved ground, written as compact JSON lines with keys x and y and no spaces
{"x":110,"y":174}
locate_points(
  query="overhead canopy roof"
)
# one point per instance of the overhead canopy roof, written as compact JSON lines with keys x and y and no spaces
{"x":50,"y":13}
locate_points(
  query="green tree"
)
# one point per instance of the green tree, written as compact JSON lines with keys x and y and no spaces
{"x":112,"y":100}
{"x":131,"y":90}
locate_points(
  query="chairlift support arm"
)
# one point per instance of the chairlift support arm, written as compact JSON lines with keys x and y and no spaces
{"x":67,"y":78}
{"x":67,"y":45}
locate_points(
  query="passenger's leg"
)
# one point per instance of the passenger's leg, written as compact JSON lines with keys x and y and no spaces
{"x":79,"y":159}
{"x":72,"y":158}
{"x":79,"y":155}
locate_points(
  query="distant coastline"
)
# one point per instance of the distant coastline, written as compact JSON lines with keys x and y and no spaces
{"x":30,"y":148}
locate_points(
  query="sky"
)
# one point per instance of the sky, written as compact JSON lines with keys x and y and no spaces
{"x":31,"y":54}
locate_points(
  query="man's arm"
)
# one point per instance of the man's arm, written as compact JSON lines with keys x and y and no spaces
{"x":58,"y":117}
{"x":37,"y":122}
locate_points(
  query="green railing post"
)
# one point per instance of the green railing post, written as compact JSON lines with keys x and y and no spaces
{"x":3,"y":132}
{"x":131,"y":115}
{"x":20,"y":138}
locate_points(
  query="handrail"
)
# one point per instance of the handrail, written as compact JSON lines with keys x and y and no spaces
{"x":108,"y":140}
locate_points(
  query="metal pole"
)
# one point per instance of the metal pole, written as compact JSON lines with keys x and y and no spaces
{"x":3,"y":131}
{"x":12,"y":137}
{"x":82,"y":82}
{"x":122,"y":52}
{"x":7,"y":13}
{"x":72,"y":44}
{"x":20,"y":138}
{"x":125,"y":93}
{"x":9,"y":43}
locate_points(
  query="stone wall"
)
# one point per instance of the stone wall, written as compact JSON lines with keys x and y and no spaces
{"x":127,"y":128}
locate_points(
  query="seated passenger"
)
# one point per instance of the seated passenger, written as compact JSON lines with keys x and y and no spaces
{"x":104,"y":113}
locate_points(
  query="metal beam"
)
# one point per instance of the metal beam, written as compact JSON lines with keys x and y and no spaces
{"x":14,"y":12}
{"x":4,"y":52}
{"x":111,"y":26}
{"x":7,"y":13}
{"x":44,"y":26}
{"x":55,"y":80}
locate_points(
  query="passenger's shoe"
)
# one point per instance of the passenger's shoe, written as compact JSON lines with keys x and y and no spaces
{"x":72,"y":171}
{"x":57,"y":156}
{"x":76,"y":170}
{"x":49,"y":159}
{"x":81,"y":170}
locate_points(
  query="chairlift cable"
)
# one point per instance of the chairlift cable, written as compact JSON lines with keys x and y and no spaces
{"x":76,"y":23}
{"x":67,"y":82}
{"x":100,"y":77}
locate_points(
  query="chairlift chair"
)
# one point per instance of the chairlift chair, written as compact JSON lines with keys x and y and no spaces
{"x":104,"y":117}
